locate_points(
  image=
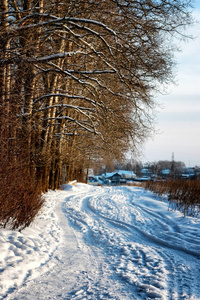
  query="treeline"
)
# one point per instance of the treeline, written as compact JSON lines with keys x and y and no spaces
{"x":76,"y":84}
{"x":182,"y":195}
{"x":153,"y":168}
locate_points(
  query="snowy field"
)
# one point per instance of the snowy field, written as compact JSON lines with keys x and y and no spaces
{"x":102,"y":243}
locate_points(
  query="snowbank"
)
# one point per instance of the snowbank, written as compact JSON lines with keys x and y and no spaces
{"x":102,"y":243}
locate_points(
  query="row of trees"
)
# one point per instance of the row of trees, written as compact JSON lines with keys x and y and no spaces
{"x":152,"y":168}
{"x":77,"y":79}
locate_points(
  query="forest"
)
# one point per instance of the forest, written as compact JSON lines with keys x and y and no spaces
{"x":77,"y":86}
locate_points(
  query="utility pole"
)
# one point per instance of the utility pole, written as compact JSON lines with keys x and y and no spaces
{"x":173,"y":166}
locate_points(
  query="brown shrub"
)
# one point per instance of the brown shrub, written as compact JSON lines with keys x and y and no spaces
{"x":20,"y":196}
{"x":182,"y":194}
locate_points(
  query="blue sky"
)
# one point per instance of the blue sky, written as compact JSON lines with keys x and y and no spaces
{"x":178,"y":123}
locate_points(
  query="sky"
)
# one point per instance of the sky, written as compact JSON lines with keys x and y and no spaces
{"x":178,"y":118}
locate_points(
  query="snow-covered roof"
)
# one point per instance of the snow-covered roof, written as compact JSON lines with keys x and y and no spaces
{"x":130,"y":173}
{"x":165,"y":171}
{"x":145,"y":171}
{"x":111,"y":174}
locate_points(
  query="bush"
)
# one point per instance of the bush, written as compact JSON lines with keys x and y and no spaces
{"x":20,"y":196}
{"x":182,"y":195}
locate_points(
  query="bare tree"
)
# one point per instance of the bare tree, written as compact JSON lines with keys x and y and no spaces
{"x":81,"y":76}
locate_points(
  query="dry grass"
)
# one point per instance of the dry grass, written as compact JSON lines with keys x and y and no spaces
{"x":183,"y":195}
{"x":20,"y":194}
{"x":20,"y":197}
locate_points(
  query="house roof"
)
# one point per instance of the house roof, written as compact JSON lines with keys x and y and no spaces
{"x":165,"y":171}
{"x":123,"y":172}
{"x":111,"y":174}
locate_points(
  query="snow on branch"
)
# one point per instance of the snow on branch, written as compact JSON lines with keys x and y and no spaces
{"x":75,"y":78}
{"x":82,"y":124}
{"x":94,"y":103}
{"x":66,"y":106}
{"x":93,"y":72}
{"x":56,"y":56}
{"x":47,"y":58}
{"x":100,"y":55}
{"x":94,"y":33}
{"x":54,"y":19}
{"x":94,"y":22}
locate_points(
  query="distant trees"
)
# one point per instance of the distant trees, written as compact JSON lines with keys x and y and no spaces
{"x":175,"y":167}
{"x":77,"y":78}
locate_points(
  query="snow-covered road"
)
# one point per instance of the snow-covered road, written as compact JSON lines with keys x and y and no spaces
{"x":102,"y":243}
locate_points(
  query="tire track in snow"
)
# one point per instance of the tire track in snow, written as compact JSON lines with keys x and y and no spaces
{"x":100,"y":284}
{"x":183,"y":280}
{"x":111,"y":249}
{"x":157,"y":220}
{"x":109,"y":232}
{"x":101,"y":233}
{"x":152,"y":239}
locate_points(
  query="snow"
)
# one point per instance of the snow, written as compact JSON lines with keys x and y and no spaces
{"x":92,"y":242}
{"x":127,"y":174}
